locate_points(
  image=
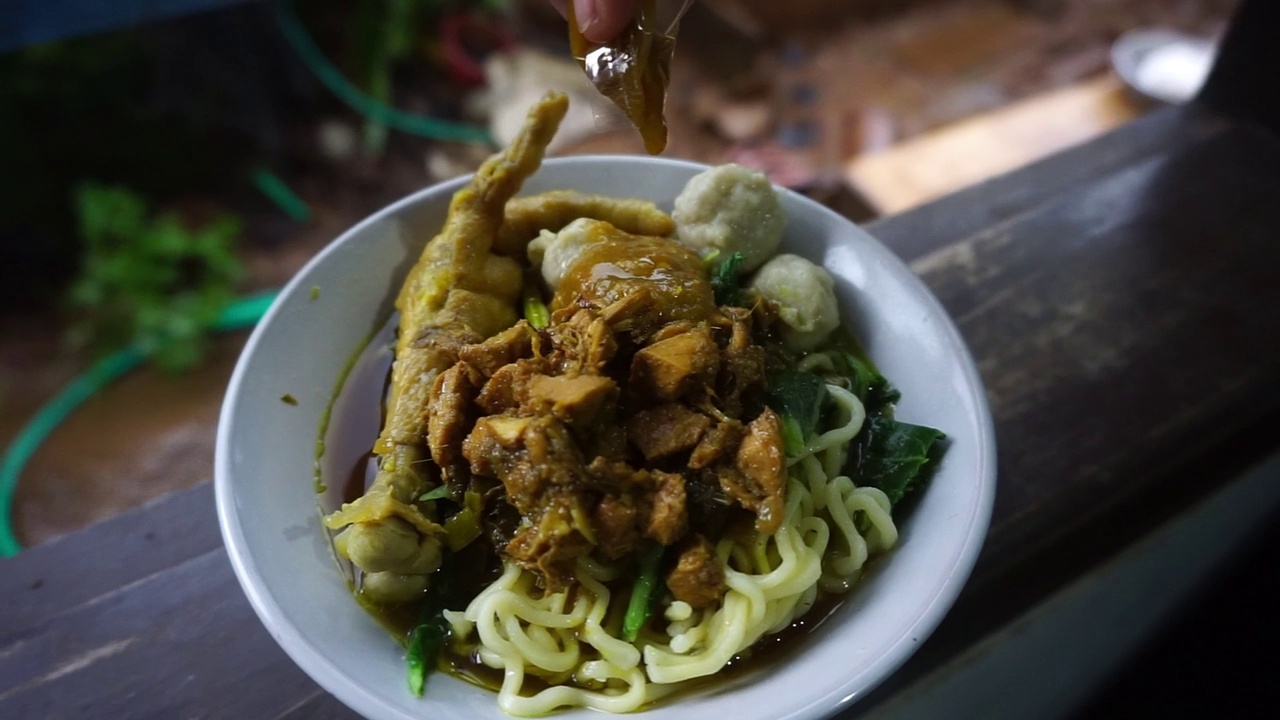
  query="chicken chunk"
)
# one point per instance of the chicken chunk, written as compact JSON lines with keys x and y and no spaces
{"x":615,"y":520}
{"x":668,"y":515}
{"x":757,"y":480}
{"x":575,"y":400}
{"x":669,"y":369}
{"x":553,"y":543}
{"x":666,"y":430}
{"x":508,"y":346}
{"x":698,"y":577}
{"x":718,"y":442}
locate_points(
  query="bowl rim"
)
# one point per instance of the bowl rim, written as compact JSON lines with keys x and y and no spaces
{"x":332,"y":679}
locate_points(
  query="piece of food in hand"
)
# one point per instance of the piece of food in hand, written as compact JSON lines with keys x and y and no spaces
{"x":804,"y":296}
{"x":633,"y":70}
{"x":730,"y":209}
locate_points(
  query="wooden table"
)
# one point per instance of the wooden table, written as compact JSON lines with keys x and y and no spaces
{"x":955,"y":156}
{"x":1123,"y":305}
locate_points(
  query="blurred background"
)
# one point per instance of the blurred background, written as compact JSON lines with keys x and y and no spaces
{"x":164,"y":158}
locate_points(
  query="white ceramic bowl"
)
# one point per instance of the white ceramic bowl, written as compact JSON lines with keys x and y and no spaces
{"x":266,"y":453}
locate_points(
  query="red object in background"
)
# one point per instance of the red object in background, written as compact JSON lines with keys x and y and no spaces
{"x":466,"y":36}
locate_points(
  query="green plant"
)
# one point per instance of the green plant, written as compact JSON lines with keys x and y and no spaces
{"x":150,"y":282}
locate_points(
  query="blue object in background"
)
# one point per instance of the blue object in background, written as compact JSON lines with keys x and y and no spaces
{"x":31,"y":22}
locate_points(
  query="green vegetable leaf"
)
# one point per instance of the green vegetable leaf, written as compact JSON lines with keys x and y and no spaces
{"x":427,"y":639}
{"x":425,"y":643}
{"x":893,"y":456}
{"x":872,"y":388}
{"x":726,"y":280}
{"x":641,"y":605}
{"x":150,"y":282}
{"x":439,"y":492}
{"x":797,"y":397}
{"x":464,"y":525}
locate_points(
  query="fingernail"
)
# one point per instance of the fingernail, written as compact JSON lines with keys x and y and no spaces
{"x":585,"y":12}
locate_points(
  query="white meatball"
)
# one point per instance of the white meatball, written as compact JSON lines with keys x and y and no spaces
{"x":555,"y":253}
{"x":805,"y":297}
{"x":731,"y":209}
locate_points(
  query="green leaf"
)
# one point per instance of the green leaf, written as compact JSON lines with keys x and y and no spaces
{"x":726,"y":279}
{"x":797,"y":397}
{"x":109,"y":213}
{"x":425,"y":643}
{"x":893,"y":456}
{"x":428,"y":637}
{"x":464,"y":526}
{"x":872,"y":388}
{"x":150,"y":282}
{"x":439,"y":492}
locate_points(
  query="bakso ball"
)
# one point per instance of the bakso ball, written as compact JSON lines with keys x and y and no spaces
{"x":555,"y":253}
{"x":805,"y":297}
{"x":730,"y":208}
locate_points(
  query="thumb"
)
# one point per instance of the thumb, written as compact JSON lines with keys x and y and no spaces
{"x":601,"y":20}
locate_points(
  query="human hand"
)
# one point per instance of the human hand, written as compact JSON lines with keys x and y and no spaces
{"x":599,"y":20}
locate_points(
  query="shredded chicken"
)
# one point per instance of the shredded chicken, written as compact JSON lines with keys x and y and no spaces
{"x":675,"y":367}
{"x":758,"y":477}
{"x":601,"y":426}
{"x":698,"y":577}
{"x":666,"y":430}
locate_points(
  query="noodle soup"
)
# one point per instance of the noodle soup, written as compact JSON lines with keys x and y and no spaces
{"x":284,"y":557}
{"x":618,"y":447}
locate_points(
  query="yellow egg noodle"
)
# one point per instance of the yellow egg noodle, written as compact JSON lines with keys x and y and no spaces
{"x":831,"y":528}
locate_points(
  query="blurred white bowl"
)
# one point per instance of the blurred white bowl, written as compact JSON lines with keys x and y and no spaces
{"x":266,"y":454}
{"x":1163,"y":65}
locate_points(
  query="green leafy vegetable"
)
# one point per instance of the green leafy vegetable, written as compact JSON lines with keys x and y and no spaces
{"x":464,"y":525}
{"x":439,"y":492}
{"x":640,"y":605}
{"x":893,"y":456}
{"x":726,"y":280}
{"x":867,"y":383}
{"x":150,"y":281}
{"x":428,"y":637}
{"x":425,"y":643}
{"x":797,"y":397}
{"x":535,"y":310}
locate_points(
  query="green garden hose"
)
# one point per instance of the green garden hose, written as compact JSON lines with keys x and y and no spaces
{"x":337,"y":83}
{"x":241,"y":314}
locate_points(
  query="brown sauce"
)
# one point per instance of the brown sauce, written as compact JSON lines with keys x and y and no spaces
{"x":669,"y":278}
